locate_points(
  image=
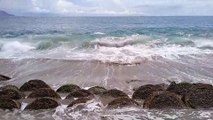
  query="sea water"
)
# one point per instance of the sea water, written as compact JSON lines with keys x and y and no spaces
{"x":113,"y":52}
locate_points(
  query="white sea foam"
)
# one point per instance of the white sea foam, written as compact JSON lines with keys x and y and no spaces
{"x":99,"y":33}
{"x":205,"y":44}
{"x":16,"y":46}
{"x":137,"y":48}
{"x":139,"y":53}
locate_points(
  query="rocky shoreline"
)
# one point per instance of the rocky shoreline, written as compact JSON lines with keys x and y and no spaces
{"x":40,"y":95}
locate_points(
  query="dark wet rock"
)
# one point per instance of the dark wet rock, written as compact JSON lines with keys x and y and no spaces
{"x":4,"y":78}
{"x":68,"y":88}
{"x":163,"y":99}
{"x":115,"y":93}
{"x":201,"y":84}
{"x":201,"y":96}
{"x":146,"y":90}
{"x":111,"y":95}
{"x":79,"y":94}
{"x":97,"y":90}
{"x":33,"y":85}
{"x":163,"y":85}
{"x":42,"y":103}
{"x":180,"y":88}
{"x":9,"y":104}
{"x":78,"y":101}
{"x":44,"y":92}
{"x":9,"y":87}
{"x":122,"y":102}
{"x":11,"y":93}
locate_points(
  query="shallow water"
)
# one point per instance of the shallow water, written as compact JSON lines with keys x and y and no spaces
{"x":110,"y":75}
{"x":92,"y":112}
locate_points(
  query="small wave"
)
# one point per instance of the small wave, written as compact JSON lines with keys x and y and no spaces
{"x":44,"y":45}
{"x":16,"y":46}
{"x":119,"y":41}
{"x":204,"y":44}
{"x":206,"y":47}
{"x":186,"y":43}
{"x":99,"y":33}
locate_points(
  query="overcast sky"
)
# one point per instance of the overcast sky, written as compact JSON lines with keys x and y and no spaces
{"x":108,"y":7}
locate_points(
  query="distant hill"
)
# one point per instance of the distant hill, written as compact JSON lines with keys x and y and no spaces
{"x":4,"y":14}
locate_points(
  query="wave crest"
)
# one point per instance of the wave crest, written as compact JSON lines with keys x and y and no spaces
{"x":120,"y":41}
{"x":204,"y":44}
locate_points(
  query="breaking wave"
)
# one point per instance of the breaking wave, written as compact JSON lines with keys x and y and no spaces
{"x":123,"y":50}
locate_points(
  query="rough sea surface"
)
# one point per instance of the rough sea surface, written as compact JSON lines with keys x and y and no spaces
{"x":113,"y":52}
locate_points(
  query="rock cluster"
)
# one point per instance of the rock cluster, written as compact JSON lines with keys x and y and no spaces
{"x":176,"y":95}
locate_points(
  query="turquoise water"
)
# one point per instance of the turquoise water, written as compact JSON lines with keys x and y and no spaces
{"x":107,"y":37}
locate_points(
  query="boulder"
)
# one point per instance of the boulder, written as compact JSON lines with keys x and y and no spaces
{"x":201,"y":96}
{"x":11,"y":94}
{"x":33,"y":85}
{"x":145,"y":91}
{"x":97,"y":90}
{"x":42,"y":103}
{"x":68,"y":88}
{"x":78,"y":101}
{"x":122,"y":102}
{"x":79,"y":94}
{"x":162,"y":100}
{"x":9,"y":87}
{"x":111,"y":95}
{"x":9,"y":104}
{"x":201,"y":84}
{"x":180,"y":88}
{"x":115,"y":93}
{"x":44,"y":92}
{"x":4,"y":78}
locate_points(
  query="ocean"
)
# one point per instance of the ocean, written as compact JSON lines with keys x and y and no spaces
{"x":113,"y":52}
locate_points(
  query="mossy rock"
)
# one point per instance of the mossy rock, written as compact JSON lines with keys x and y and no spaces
{"x":33,"y":85}
{"x":9,"y":87}
{"x":42,"y":103}
{"x":44,"y":92}
{"x":97,"y":90}
{"x":115,"y":93}
{"x":9,"y":104}
{"x":79,"y":94}
{"x":162,"y":100}
{"x":78,"y":101}
{"x":4,"y":78}
{"x":122,"y":102}
{"x":68,"y":88}
{"x":11,"y":94}
{"x":201,"y":96}
{"x":180,"y":88}
{"x":146,"y":90}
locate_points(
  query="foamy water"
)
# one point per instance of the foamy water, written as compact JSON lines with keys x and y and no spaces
{"x":91,"y":111}
{"x":123,"y":50}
